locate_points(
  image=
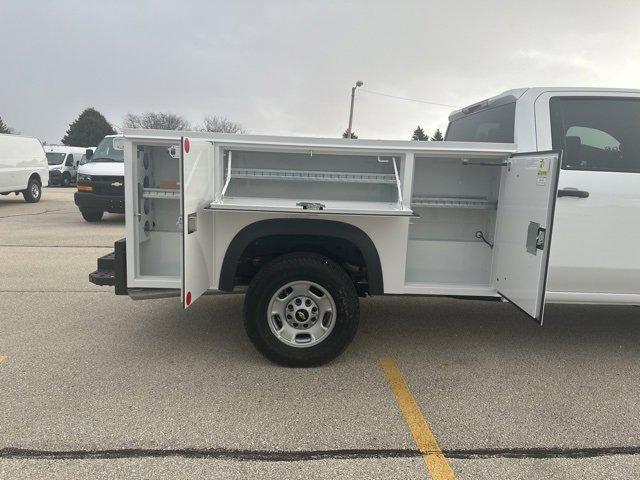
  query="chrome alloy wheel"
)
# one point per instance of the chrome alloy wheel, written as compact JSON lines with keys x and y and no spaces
{"x":301,"y":314}
{"x":35,"y":190}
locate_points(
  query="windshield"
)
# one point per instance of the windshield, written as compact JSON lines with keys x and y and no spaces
{"x":106,"y":153}
{"x":55,"y":158}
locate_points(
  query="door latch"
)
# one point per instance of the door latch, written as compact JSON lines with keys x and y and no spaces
{"x":536,"y":238}
{"x":192,"y":222}
{"x":310,"y":205}
{"x":540,"y":238}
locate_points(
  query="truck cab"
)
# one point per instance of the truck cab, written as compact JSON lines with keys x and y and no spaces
{"x":594,"y":258}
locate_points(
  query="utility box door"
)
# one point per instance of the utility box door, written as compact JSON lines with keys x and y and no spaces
{"x":196,"y":193}
{"x":526,"y":203}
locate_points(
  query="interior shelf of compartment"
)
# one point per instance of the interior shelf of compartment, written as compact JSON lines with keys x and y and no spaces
{"x":313,"y":176}
{"x":478,"y":203}
{"x":328,"y":207}
{"x":161,"y":193}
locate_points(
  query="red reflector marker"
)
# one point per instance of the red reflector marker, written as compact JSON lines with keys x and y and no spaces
{"x":188,"y":298}
{"x":187,"y":145}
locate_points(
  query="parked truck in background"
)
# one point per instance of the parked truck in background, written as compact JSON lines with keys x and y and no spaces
{"x":23,"y":167}
{"x":304,"y":226}
{"x":100,"y":181}
{"x":63,"y":163}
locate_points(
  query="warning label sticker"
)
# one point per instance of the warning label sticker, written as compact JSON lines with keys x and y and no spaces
{"x":542,"y":172}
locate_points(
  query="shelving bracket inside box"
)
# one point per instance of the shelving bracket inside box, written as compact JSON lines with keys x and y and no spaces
{"x":454,"y":202}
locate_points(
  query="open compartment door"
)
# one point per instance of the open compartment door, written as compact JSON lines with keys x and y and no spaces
{"x":196,"y":193}
{"x":526,"y":204}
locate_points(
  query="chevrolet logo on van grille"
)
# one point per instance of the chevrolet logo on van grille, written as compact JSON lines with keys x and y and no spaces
{"x":116,"y":184}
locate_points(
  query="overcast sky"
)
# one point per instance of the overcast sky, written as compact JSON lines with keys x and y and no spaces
{"x":286,"y":67}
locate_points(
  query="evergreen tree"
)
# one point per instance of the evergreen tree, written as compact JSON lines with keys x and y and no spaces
{"x":353,"y":134}
{"x":418,"y":134}
{"x":4,"y":128}
{"x":88,"y":129}
{"x":437,"y":136}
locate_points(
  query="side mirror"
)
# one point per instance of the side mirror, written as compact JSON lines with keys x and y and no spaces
{"x":88,"y":154}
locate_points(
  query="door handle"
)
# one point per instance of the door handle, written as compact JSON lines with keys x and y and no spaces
{"x":573,"y":192}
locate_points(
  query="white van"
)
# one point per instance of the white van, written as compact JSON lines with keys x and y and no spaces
{"x":63,"y":163}
{"x":101,"y":181}
{"x":23,"y":167}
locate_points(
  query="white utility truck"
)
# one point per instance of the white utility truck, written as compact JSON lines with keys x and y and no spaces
{"x":304,"y":226}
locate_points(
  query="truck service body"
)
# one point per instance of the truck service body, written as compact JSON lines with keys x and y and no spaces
{"x":305,"y":225}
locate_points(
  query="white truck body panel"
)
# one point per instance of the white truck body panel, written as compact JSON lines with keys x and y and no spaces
{"x":21,"y":157}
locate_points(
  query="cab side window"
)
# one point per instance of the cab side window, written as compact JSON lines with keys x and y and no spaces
{"x":600,"y":134}
{"x":69,"y":161}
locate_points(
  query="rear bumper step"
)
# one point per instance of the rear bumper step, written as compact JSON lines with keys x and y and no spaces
{"x":103,"y":278}
{"x":112,"y":269}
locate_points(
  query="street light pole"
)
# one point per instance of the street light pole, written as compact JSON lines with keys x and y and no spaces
{"x":353,"y":96}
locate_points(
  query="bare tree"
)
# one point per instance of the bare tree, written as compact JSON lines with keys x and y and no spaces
{"x":215,"y":123}
{"x":157,"y":120}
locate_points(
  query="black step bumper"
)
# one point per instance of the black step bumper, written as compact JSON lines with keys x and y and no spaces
{"x":112,"y":269}
{"x":101,"y":203}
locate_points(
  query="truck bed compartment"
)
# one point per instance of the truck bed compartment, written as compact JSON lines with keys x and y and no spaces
{"x":452,"y":200}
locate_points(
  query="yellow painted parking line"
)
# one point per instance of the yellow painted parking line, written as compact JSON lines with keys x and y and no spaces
{"x":436,"y":462}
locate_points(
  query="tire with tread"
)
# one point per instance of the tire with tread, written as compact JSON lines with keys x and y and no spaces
{"x":91,"y":216}
{"x":301,"y":267}
{"x":66,"y":179}
{"x":33,"y":193}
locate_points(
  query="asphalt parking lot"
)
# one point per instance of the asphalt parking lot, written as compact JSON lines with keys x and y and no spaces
{"x":98,"y":386}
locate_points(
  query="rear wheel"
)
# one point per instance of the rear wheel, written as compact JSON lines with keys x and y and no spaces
{"x":301,"y":310}
{"x":91,"y":216}
{"x":66,"y":179}
{"x":34,"y":191}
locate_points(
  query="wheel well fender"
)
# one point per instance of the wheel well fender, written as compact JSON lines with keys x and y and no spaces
{"x":37,"y":177}
{"x":308,"y":227}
